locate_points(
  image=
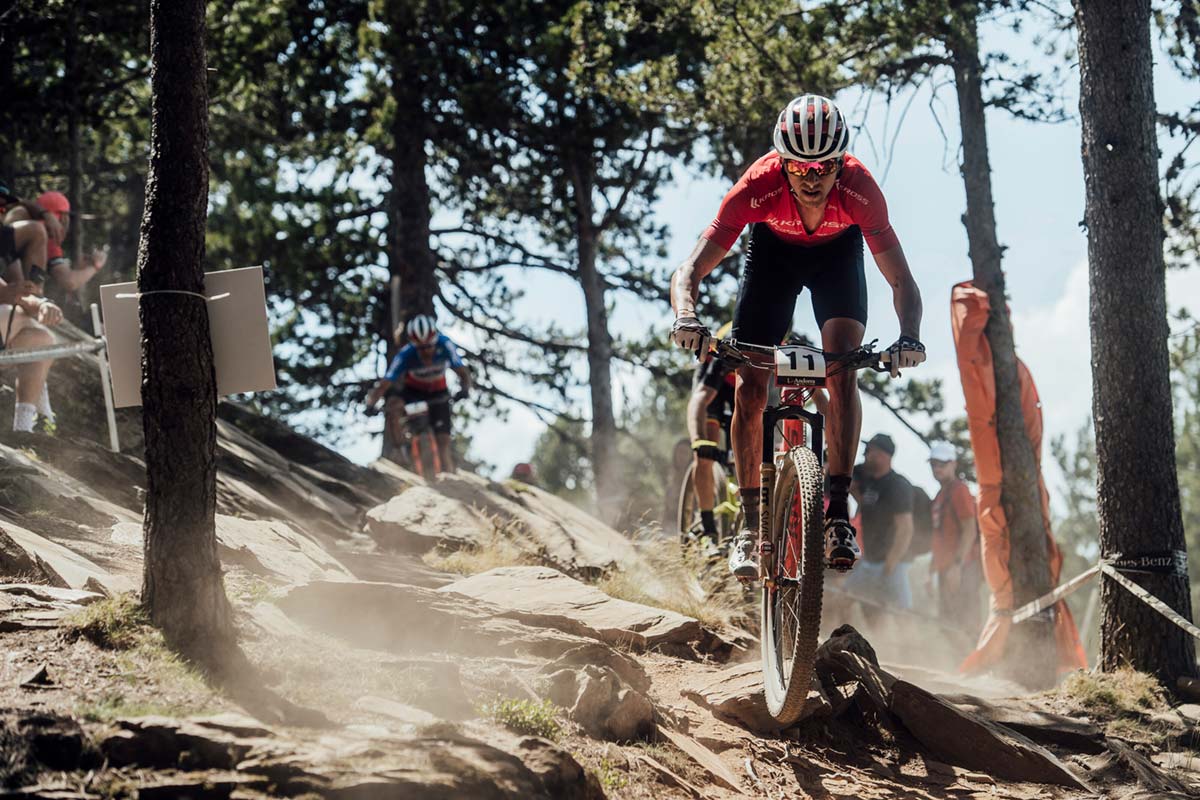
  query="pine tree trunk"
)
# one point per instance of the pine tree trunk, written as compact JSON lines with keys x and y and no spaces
{"x":7,"y":64}
{"x":410,"y":258}
{"x":74,"y":141}
{"x":181,"y":584}
{"x":1137,"y":487}
{"x":1020,"y":493}
{"x":409,"y":253}
{"x":606,"y":467}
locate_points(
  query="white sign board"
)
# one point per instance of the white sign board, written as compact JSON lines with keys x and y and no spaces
{"x":237,"y":325}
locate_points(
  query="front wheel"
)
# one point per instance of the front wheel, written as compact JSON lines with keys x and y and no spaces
{"x":791,"y":601}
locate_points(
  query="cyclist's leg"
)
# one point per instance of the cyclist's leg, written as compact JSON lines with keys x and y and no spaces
{"x":770,"y":283}
{"x":439,"y":421}
{"x":839,"y":297}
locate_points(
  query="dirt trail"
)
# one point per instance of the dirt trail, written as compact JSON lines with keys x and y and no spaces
{"x":524,"y":681}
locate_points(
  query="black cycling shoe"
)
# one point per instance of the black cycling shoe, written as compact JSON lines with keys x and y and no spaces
{"x":841,"y":545}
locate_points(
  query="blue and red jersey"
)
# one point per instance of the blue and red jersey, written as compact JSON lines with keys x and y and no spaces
{"x":429,"y":377}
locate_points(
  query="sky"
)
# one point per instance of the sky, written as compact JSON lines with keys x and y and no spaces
{"x":1038,"y":188}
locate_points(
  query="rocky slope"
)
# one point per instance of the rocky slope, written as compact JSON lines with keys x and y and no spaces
{"x":371,"y":672}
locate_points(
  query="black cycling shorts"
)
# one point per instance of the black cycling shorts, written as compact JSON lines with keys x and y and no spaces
{"x":439,"y":406}
{"x":712,"y":374}
{"x":777,"y":271}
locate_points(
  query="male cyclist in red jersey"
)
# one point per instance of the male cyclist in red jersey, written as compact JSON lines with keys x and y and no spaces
{"x":810,"y":205}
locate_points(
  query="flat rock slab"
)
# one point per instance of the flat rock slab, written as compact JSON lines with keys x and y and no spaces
{"x":974,"y":742}
{"x":1041,"y":726}
{"x":76,"y":571}
{"x":349,"y":763}
{"x":736,"y":695}
{"x":545,"y":597}
{"x":406,"y":619}
{"x":267,"y":548}
{"x":464,"y":510}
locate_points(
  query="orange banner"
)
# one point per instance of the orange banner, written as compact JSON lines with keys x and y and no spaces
{"x":968,"y":314}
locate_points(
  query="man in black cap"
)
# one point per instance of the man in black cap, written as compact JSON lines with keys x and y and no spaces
{"x":885,"y":502}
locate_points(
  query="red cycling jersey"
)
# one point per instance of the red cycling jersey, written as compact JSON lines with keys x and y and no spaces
{"x":762,"y":195}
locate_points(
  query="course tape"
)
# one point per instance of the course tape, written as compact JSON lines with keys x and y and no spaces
{"x":1112,"y":570}
{"x":32,"y":354}
{"x":1047,"y":600}
{"x":1150,"y":600}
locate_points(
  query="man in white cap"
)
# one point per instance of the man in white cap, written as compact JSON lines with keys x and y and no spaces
{"x":955,"y":545}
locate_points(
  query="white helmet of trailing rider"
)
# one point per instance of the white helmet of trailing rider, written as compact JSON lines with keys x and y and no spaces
{"x":811,"y":128}
{"x":422,"y":329}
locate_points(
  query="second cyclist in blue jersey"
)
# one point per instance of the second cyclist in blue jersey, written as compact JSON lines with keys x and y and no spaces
{"x":418,"y":373}
{"x":810,"y":205}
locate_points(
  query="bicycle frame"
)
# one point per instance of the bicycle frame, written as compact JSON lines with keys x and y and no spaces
{"x":772,"y":415}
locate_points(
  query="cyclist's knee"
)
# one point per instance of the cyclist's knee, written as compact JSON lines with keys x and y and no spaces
{"x":29,"y":234}
{"x":750,"y":398}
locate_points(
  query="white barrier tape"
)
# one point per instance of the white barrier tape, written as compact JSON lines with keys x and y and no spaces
{"x":136,"y":295}
{"x":1150,"y":600}
{"x":32,"y":354}
{"x":1045,"y":601}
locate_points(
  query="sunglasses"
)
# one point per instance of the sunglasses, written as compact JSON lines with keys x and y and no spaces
{"x":822,"y":168}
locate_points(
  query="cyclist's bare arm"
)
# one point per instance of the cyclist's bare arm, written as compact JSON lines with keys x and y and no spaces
{"x":464,"y":378}
{"x":377,"y":392}
{"x":685,"y":283}
{"x":905,"y":294}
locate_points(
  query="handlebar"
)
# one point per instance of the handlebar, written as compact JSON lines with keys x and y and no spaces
{"x":862,"y":357}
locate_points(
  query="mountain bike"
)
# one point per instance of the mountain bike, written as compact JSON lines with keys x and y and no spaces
{"x":728,"y":509}
{"x":414,"y":444}
{"x":791,"y":503}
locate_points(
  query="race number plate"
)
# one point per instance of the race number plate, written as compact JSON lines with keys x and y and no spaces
{"x":419,"y":407}
{"x":799,"y":365}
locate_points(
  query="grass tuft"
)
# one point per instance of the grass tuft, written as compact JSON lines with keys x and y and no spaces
{"x":611,"y":776}
{"x":680,"y":579}
{"x":116,"y":705}
{"x":1111,"y":694}
{"x":116,"y":623}
{"x":498,"y":550}
{"x":525,"y":717}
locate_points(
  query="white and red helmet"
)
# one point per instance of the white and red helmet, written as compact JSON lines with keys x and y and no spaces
{"x":422,"y":329}
{"x":811,"y":128}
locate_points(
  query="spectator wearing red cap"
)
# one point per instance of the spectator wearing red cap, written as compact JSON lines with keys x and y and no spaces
{"x":58,"y":208}
{"x":23,"y":240}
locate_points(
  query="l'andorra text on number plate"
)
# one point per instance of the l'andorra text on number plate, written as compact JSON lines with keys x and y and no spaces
{"x":799,"y":365}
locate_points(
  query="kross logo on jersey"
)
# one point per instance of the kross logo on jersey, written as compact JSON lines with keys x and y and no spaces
{"x":755,"y":202}
{"x":848,"y":191}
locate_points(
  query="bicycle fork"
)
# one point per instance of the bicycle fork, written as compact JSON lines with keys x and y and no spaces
{"x":766,"y":550}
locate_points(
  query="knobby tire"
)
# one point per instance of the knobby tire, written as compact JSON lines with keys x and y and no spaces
{"x":786,"y":685}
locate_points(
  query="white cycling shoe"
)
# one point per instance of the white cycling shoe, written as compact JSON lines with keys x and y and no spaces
{"x":743,"y":556}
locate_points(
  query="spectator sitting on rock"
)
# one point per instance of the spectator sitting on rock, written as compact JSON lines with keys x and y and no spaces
{"x":25,"y":319}
{"x":885,"y":501}
{"x":70,"y":278}
{"x":23,"y":242}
